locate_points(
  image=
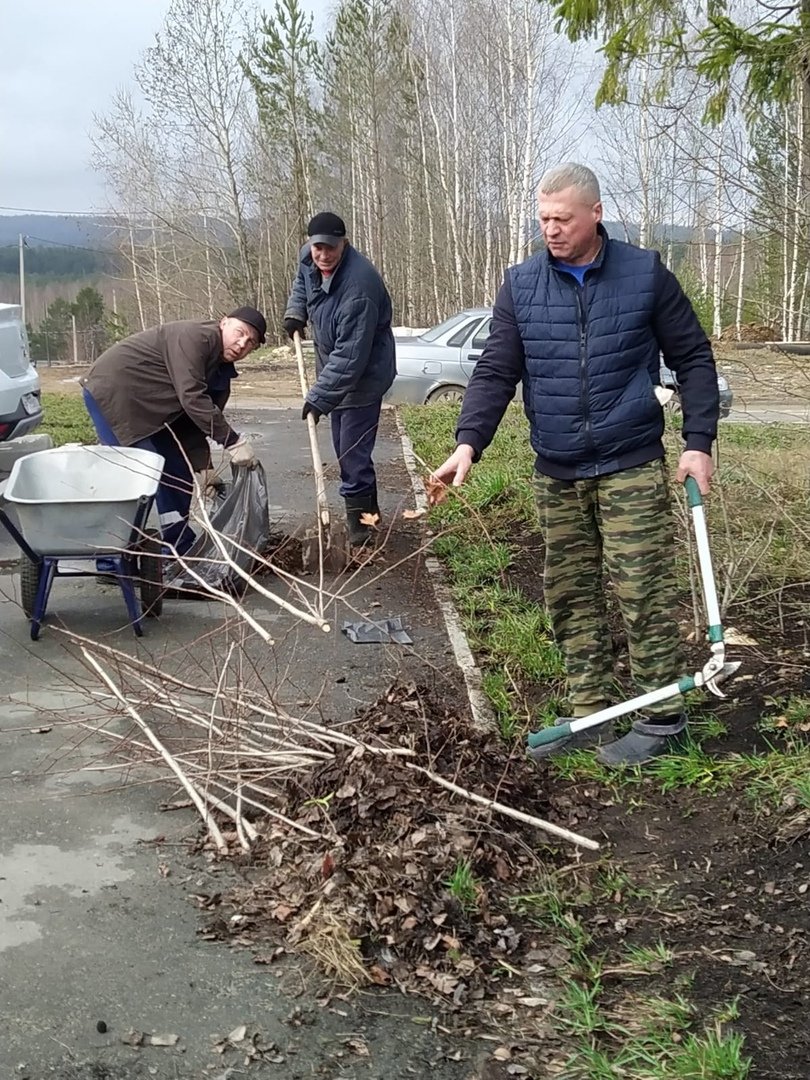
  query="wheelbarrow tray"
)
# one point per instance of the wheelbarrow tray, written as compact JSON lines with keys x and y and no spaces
{"x":82,"y":500}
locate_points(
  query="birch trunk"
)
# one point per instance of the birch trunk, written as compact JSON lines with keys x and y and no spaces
{"x":135,"y":278}
{"x":717,"y":297}
{"x":786,"y":229}
{"x":156,"y":264}
{"x":738,"y":321}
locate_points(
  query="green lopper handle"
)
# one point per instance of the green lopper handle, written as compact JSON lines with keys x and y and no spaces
{"x":693,"y":496}
{"x":548,"y":735}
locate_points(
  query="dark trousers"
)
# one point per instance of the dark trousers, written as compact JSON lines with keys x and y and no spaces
{"x":354,"y":432}
{"x":176,"y":484}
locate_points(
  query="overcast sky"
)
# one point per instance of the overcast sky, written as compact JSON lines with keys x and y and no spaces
{"x":61,"y":63}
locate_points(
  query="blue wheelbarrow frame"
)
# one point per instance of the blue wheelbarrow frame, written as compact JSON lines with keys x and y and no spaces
{"x":140,"y":559}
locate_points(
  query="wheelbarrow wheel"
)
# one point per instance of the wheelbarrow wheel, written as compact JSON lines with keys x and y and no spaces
{"x":30,"y":577}
{"x":150,"y":574}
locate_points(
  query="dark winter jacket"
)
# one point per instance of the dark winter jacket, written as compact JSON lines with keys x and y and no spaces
{"x":350,"y":313}
{"x":195,"y":445}
{"x":159,"y":376}
{"x":589,"y":360}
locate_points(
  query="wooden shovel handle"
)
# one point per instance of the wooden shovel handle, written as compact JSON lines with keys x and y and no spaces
{"x":317,"y":462}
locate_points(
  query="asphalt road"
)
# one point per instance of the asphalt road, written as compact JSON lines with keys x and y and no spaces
{"x":98,"y":920}
{"x":770,"y":413}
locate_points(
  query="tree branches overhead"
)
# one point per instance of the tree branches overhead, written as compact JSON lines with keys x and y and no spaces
{"x":426,"y":125}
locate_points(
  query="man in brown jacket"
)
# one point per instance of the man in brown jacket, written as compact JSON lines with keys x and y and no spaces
{"x":164,"y":390}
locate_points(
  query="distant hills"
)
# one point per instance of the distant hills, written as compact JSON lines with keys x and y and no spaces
{"x":99,"y":231}
{"x":94,"y":232}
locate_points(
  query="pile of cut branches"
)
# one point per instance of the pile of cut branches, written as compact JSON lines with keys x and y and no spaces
{"x":388,"y":848}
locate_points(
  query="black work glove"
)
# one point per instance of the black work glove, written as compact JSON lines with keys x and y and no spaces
{"x":291,"y":325}
{"x":310,"y":408}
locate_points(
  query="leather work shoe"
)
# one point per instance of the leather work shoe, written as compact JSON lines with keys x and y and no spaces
{"x":646,"y":740}
{"x":581,"y":740}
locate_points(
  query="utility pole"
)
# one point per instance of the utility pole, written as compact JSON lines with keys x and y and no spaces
{"x":75,"y":342}
{"x":22,"y":277}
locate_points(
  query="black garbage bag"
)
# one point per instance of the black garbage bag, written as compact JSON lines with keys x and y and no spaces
{"x":240,"y":512}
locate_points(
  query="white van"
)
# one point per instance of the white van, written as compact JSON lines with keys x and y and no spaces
{"x":20,"y":404}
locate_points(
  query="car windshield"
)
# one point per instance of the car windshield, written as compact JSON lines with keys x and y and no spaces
{"x":448,"y":324}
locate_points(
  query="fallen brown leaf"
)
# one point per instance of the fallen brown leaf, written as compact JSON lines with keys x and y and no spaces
{"x":436,"y":491}
{"x":372,"y":520}
{"x":357,"y":1046}
{"x":269,"y":958}
{"x":411,"y":515}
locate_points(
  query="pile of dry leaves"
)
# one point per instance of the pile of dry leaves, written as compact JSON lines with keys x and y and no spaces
{"x":414,"y":887}
{"x":750,"y":332}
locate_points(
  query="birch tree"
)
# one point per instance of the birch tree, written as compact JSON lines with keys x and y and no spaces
{"x":284,"y":69}
{"x":194,"y":81}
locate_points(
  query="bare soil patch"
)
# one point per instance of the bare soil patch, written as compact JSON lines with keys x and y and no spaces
{"x":764,"y":375}
{"x":757,"y":376}
{"x":268,"y":378}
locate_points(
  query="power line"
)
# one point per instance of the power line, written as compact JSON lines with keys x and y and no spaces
{"x":76,"y":247}
{"x":58,"y":213}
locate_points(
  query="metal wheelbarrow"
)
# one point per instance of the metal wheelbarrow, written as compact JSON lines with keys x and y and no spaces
{"x":85,"y":503}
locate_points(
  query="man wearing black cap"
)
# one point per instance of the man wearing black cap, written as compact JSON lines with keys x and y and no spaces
{"x":164,"y":390}
{"x":344,"y":297}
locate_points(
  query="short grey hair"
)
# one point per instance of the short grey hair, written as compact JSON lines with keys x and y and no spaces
{"x":570,"y":174}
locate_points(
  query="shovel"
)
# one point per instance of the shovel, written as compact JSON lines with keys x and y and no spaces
{"x":715,"y":670}
{"x":327,"y":543}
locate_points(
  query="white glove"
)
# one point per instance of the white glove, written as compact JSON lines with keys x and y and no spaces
{"x":242,"y":453}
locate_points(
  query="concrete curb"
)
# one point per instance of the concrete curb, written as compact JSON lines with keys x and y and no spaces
{"x":15,"y":449}
{"x":483,"y":717}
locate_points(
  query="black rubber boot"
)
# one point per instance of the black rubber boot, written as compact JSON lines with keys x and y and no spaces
{"x":581,"y":740}
{"x":646,"y":740}
{"x":356,"y":506}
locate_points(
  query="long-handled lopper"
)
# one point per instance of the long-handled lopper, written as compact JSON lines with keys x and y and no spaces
{"x":715,"y":670}
{"x":331,"y":542}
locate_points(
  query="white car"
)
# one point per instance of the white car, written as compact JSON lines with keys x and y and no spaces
{"x":20,"y":403}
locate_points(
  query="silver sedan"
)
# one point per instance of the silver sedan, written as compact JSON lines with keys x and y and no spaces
{"x":437,"y":365}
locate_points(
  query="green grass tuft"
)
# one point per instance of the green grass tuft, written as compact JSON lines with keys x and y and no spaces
{"x":66,"y":420}
{"x":464,"y":886}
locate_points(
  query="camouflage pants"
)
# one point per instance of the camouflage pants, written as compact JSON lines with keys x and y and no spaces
{"x":623,"y":520}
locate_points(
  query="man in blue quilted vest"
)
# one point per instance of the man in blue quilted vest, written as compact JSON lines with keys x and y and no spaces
{"x":582,"y":324}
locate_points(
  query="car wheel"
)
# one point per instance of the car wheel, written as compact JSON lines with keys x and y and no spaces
{"x":444,"y":394}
